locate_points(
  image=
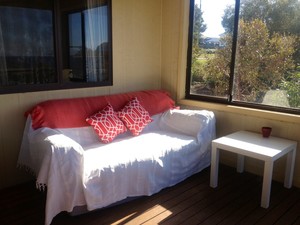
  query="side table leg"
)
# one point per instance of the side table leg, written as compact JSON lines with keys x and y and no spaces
{"x":214,"y":169}
{"x":267,"y":181}
{"x":240,"y":163}
{"x":289,"y":169}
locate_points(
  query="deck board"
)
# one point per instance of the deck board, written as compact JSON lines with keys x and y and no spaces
{"x":236,"y":200}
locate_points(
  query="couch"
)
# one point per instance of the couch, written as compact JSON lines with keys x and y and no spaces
{"x":96,"y":151}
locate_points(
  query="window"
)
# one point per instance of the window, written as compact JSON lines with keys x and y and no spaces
{"x":54,"y":44}
{"x":245,"y":52}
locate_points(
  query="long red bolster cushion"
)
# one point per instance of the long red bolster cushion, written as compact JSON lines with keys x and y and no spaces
{"x":70,"y":113}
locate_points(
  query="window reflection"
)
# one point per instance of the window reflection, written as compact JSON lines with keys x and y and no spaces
{"x":88,"y":45}
{"x":27,"y":55}
{"x":75,"y":48}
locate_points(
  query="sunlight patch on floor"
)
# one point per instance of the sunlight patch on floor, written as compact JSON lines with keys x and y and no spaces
{"x":124,"y":219}
{"x":151,"y":216}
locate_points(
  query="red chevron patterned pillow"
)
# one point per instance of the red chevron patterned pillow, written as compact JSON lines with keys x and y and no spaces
{"x":134,"y":116}
{"x":106,"y":124}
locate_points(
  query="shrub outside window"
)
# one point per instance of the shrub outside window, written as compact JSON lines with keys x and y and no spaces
{"x":245,"y":52}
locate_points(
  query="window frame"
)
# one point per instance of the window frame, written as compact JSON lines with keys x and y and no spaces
{"x":223,"y":100}
{"x":60,"y":85}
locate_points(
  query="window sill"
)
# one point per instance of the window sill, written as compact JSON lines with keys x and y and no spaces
{"x":284,"y":117}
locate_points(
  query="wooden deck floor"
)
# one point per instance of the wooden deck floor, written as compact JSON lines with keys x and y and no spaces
{"x":235,"y":201}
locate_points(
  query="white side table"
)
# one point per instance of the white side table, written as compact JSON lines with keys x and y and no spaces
{"x":253,"y":145}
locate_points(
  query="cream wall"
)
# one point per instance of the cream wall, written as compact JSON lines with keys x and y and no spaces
{"x":229,"y":118}
{"x":137,"y":36}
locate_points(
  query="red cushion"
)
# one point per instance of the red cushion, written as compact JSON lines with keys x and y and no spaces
{"x":106,"y":124}
{"x":68,"y":113}
{"x":134,"y":116}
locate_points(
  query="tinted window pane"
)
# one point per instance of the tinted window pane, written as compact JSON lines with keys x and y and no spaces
{"x":96,"y":34}
{"x":27,"y":48}
{"x":75,"y":48}
{"x":89,"y":51}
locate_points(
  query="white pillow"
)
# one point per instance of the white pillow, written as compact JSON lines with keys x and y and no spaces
{"x":184,"y":121}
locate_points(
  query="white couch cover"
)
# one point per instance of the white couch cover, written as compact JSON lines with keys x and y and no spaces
{"x":79,"y":170}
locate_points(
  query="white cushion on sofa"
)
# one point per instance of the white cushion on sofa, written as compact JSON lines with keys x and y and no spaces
{"x":188,"y":122}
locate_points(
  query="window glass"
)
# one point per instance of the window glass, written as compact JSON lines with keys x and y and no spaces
{"x":251,"y":59}
{"x":96,"y":33}
{"x":211,"y":49}
{"x":26,"y":45}
{"x":267,"y":69}
{"x":75,"y":48}
{"x":89,"y":52}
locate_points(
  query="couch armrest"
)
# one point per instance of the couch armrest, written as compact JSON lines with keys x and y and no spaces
{"x":199,"y":124}
{"x":46,"y":149}
{"x":54,"y":138}
{"x":60,"y":167}
{"x":57,"y":162}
